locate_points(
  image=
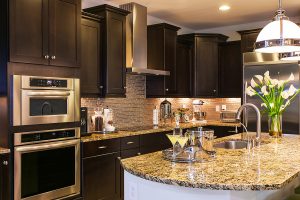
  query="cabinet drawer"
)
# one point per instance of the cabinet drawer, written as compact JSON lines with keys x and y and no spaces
{"x":100,"y":147}
{"x":154,"y":139}
{"x":130,"y":153}
{"x":130,"y":142}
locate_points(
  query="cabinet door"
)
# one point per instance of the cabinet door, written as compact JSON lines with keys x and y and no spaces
{"x":4,"y":177}
{"x":91,"y":82}
{"x":29,"y":31}
{"x":64,"y":47}
{"x":183,"y":66}
{"x":206,"y":68}
{"x":231,"y":70}
{"x":248,"y":38}
{"x":154,"y":142}
{"x":116,"y":55}
{"x":155,"y":86}
{"x":101,"y":177}
{"x":170,"y":61}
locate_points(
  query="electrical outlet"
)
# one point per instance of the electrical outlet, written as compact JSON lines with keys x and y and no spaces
{"x":217,"y":108}
{"x":224,"y":108}
{"x":133,"y":191}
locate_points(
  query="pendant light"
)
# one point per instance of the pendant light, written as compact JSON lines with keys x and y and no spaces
{"x":279,"y":36}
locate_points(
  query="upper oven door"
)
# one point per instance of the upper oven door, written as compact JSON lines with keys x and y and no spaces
{"x":47,"y":170}
{"x":47,"y":106}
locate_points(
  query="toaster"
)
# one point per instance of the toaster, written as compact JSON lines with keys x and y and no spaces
{"x":228,"y":116}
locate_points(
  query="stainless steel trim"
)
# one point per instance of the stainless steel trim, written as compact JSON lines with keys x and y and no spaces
{"x":18,"y":142}
{"x":55,"y":194}
{"x":17,"y":99}
{"x":254,"y":58}
{"x":277,"y":42}
{"x":49,"y":93}
{"x":26,"y":80}
{"x":137,"y":70}
{"x":77,"y":103}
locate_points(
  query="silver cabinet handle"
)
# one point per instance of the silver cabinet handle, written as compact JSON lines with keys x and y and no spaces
{"x":101,"y":87}
{"x":102,"y":147}
{"x":125,"y":87}
{"x":119,"y":158}
{"x":53,"y":57}
{"x":130,"y":142}
{"x":53,"y":93}
{"x":139,"y":154}
{"x":5,"y":162}
{"x":47,"y":57}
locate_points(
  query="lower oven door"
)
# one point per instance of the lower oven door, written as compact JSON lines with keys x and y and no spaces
{"x":44,"y":107}
{"x":47,"y":171}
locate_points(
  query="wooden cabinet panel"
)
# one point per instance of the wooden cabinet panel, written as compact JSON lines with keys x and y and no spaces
{"x":101,"y":177}
{"x":116,"y":63}
{"x":65,"y":16}
{"x":4,"y":177}
{"x":114,"y":49}
{"x":100,"y":147}
{"x":29,"y":31}
{"x":154,"y":142}
{"x":91,"y":69}
{"x":248,"y":38}
{"x":230,"y":69}
{"x":161,"y":51}
{"x":130,"y":142}
{"x":183,"y":67}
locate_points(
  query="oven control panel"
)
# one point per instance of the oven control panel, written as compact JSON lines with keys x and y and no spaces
{"x":39,"y":82}
{"x":45,"y":136}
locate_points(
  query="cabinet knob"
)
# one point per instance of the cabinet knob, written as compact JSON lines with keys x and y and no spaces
{"x":167,"y":89}
{"x":5,"y":162}
{"x":139,"y":154}
{"x":101,"y":86}
{"x":125,"y":87}
{"x":215,"y":91}
{"x":119,"y":158}
{"x":53,"y":57}
{"x":47,"y":57}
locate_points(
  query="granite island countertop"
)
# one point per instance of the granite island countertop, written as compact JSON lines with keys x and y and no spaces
{"x":120,"y":134}
{"x":269,"y":167}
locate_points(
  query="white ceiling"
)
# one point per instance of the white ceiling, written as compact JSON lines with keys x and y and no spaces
{"x":203,"y":14}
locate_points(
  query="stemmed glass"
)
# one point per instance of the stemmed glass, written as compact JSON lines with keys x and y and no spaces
{"x":175,"y":138}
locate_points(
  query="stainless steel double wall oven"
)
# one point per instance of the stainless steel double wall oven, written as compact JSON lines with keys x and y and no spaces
{"x":46,"y":162}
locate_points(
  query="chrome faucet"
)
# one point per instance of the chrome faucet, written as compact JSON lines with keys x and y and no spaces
{"x":258,"y":118}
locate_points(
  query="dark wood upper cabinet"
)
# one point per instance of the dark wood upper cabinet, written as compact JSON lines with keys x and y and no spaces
{"x":248,"y":38}
{"x":161,"y":52}
{"x":205,"y":64}
{"x":114,"y":49}
{"x":183,"y":67}
{"x":91,"y":68}
{"x":230,"y":69}
{"x":45,"y":32}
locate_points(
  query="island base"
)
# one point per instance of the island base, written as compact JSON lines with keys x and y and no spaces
{"x":137,"y":188}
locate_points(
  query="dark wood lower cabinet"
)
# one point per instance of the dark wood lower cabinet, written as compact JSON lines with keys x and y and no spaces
{"x":101,"y":177}
{"x":4,"y":177}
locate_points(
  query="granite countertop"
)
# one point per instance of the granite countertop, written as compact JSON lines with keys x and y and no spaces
{"x":269,"y":167}
{"x":119,"y":134}
{"x":4,"y":150}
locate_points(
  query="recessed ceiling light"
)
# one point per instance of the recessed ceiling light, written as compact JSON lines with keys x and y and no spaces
{"x":224,"y":8}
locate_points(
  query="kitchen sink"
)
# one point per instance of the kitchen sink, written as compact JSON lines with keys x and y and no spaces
{"x":232,"y":144}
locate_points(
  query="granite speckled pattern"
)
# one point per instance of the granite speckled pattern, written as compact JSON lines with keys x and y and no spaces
{"x":119,"y":134}
{"x":4,"y":150}
{"x":269,"y":167}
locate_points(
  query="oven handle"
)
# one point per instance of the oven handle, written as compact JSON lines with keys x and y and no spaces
{"x":52,"y":145}
{"x":58,"y":94}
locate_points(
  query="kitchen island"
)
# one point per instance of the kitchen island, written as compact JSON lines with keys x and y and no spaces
{"x":270,"y":171}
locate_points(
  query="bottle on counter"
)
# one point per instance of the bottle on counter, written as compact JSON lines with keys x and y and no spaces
{"x":155,"y":116}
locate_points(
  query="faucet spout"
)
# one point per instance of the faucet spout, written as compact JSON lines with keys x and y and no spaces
{"x":258,"y":118}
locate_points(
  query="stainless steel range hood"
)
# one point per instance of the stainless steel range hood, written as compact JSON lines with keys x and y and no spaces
{"x":136,"y":41}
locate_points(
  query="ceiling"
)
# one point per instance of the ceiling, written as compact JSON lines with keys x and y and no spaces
{"x":203,"y":14}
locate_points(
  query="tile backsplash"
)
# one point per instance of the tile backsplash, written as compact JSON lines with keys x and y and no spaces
{"x":136,"y":109}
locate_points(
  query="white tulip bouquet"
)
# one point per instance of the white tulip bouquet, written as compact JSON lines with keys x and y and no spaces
{"x":276,"y":96}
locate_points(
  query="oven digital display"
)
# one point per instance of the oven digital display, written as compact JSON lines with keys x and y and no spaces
{"x":38,"y":82}
{"x":43,"y":136}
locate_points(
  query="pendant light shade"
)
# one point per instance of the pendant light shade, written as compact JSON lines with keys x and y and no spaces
{"x":279,"y":36}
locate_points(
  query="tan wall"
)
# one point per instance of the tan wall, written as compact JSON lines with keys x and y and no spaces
{"x":136,"y":110}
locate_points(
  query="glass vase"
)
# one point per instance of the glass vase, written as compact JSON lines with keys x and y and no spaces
{"x":275,"y":126}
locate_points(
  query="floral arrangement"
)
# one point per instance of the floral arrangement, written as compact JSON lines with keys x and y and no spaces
{"x":276,"y":97}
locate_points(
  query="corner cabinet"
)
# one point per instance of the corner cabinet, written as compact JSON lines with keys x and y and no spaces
{"x":45,"y":32}
{"x":161,"y":52}
{"x":248,"y":38}
{"x":113,"y":49}
{"x":205,"y":63}
{"x":91,"y":68}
